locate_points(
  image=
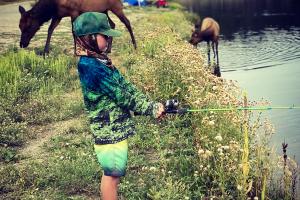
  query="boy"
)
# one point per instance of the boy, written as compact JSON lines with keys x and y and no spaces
{"x":108,"y":99}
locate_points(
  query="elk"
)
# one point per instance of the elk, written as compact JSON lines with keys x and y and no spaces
{"x":209,"y":31}
{"x":44,"y":10}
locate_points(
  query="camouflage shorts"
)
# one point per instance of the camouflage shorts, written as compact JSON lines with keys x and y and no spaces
{"x":109,"y":98}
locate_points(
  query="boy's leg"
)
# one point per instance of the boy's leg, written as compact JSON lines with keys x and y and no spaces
{"x":113,"y":160}
{"x":109,"y":187}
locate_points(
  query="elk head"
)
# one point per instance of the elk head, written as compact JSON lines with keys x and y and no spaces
{"x":196,"y":37}
{"x":28,"y":26}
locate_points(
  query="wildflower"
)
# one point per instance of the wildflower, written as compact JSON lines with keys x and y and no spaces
{"x":152,"y":168}
{"x":239,"y":187}
{"x":169,"y":172}
{"x":219,"y":138}
{"x":214,"y":88}
{"x":208,"y":152}
{"x":201,"y":151}
{"x":187,"y":198}
{"x":211,"y":123}
{"x":225,"y":147}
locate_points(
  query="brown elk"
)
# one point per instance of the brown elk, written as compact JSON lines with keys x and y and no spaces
{"x":44,"y":10}
{"x":209,"y":32}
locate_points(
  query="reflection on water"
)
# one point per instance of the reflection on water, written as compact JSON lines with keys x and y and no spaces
{"x":260,"y":48}
{"x":269,"y":48}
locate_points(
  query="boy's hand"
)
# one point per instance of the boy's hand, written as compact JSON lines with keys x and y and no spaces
{"x":159,"y":111}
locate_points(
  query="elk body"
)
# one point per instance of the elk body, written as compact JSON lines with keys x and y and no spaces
{"x":44,"y":10}
{"x":209,"y":31}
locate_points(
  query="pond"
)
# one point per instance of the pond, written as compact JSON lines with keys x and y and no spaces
{"x":259,"y":47}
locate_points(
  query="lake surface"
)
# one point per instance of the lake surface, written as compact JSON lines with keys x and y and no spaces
{"x":260,"y":48}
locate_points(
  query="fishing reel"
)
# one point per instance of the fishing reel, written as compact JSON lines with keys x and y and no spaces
{"x":171,"y":107}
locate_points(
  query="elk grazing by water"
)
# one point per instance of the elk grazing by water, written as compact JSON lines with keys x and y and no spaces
{"x":209,"y":31}
{"x":44,"y":10}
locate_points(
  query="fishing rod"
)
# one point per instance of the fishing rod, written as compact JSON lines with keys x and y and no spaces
{"x":172,"y":107}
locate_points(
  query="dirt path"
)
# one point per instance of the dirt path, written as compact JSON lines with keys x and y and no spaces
{"x":42,"y":134}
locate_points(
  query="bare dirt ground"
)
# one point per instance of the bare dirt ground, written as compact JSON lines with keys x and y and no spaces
{"x":9,"y":26}
{"x":44,"y":133}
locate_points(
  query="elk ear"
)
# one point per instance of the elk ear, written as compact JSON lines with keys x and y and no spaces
{"x":22,"y":10}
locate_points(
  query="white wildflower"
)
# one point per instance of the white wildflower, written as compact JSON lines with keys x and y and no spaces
{"x":201,"y":151}
{"x":208,"y":152}
{"x":211,"y":123}
{"x":225,"y":147}
{"x":152,"y":168}
{"x":219,"y":138}
{"x":239,"y":187}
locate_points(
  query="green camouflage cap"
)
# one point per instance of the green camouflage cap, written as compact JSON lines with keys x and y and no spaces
{"x":93,"y":22}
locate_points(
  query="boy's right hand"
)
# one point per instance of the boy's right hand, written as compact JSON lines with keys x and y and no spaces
{"x":159,"y":110}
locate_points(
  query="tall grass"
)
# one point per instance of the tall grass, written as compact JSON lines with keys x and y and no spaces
{"x":18,"y":67}
{"x":31,"y":93}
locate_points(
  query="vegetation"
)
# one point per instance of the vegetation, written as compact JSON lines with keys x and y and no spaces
{"x":205,"y":155}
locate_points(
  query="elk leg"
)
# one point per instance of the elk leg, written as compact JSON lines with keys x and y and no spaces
{"x":110,"y":39}
{"x":217,"y":68}
{"x":214,"y":51}
{"x":53,"y":25}
{"x":125,"y":21}
{"x":217,"y":52}
{"x":208,"y":53}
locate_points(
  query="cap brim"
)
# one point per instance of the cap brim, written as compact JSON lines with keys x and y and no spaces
{"x":112,"y":33}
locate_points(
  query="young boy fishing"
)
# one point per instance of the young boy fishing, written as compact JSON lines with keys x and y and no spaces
{"x":108,"y":98}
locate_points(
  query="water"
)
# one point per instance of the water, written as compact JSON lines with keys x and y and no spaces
{"x":260,"y":48}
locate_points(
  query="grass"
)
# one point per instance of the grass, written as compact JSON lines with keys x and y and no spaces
{"x":195,"y":156}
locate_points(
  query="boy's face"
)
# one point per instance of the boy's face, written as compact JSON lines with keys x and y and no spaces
{"x":102,"y":42}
